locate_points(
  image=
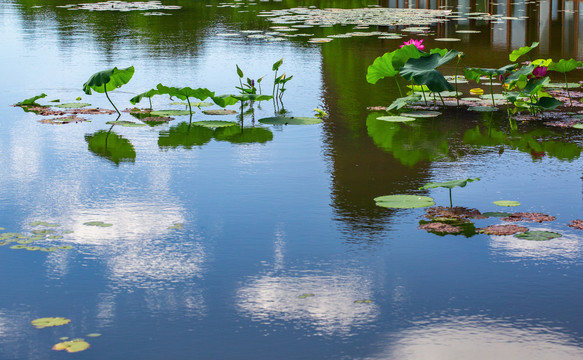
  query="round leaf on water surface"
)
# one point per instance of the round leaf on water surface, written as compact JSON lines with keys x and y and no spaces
{"x":49,"y":322}
{"x":468,"y":31}
{"x":396,"y":118}
{"x":506,"y":203}
{"x":72,"y":105}
{"x":71,"y":346}
{"x":578,"y":126}
{"x":220,"y":112}
{"x":447,"y":39}
{"x":421,"y":114}
{"x":214,"y":124}
{"x":17,"y":247}
{"x":290,"y":120}
{"x":538,"y":235}
{"x":169,"y":112}
{"x":404,"y":201}
{"x":97,"y":223}
{"x":562,"y":85}
{"x":94,"y":335}
{"x":482,"y":108}
{"x":125,"y":123}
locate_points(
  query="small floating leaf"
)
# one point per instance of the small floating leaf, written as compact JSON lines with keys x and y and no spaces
{"x":176,"y":226}
{"x":448,"y":39}
{"x":97,"y":223}
{"x":169,"y":112}
{"x":538,"y":235}
{"x":93,"y":335}
{"x":55,"y":237}
{"x":396,"y":118}
{"x":303,"y":296}
{"x":43,"y":223}
{"x":220,"y":112}
{"x":404,"y":201}
{"x":506,"y":203}
{"x":65,"y":247}
{"x":64,"y":338}
{"x":42,"y":323}
{"x":72,"y":105}
{"x":25,"y":241}
{"x":421,"y":114}
{"x":364,"y":301}
{"x":290,"y":120}
{"x":32,"y":248}
{"x":71,"y":346}
{"x":43,"y":232}
{"x":17,"y":247}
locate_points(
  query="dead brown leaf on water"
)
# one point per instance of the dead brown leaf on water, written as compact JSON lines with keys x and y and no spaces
{"x":529,"y":217}
{"x":458,"y":212}
{"x":63,"y":120}
{"x":91,"y":111}
{"x":137,"y":111}
{"x":502,"y":229}
{"x":440,"y":228}
{"x":576,"y":224}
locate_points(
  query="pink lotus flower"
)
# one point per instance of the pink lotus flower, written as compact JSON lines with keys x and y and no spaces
{"x":418,"y":43}
{"x":539,"y":72}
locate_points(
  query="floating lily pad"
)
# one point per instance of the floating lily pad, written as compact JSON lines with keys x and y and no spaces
{"x":364,"y":301}
{"x":72,"y":346}
{"x":65,"y":247}
{"x":43,"y":232}
{"x":538,"y":235}
{"x":125,"y":123}
{"x":578,"y":126}
{"x":562,"y":85}
{"x":18,"y":247}
{"x":43,"y":223}
{"x":483,"y":108}
{"x":498,"y":214}
{"x":496,"y":97}
{"x":55,"y":237}
{"x":404,"y":201}
{"x":169,"y":112}
{"x":220,"y":112}
{"x":72,"y":105}
{"x":448,"y":39}
{"x":92,"y":335}
{"x":214,"y":124}
{"x":396,"y":118}
{"x":468,"y":31}
{"x":97,"y":223}
{"x":290,"y":120}
{"x":319,"y":40}
{"x":303,"y":296}
{"x":49,"y":249}
{"x":176,"y":226}
{"x":32,"y":248}
{"x":421,"y":114}
{"x":506,"y":203}
{"x":42,"y":323}
{"x":25,"y":241}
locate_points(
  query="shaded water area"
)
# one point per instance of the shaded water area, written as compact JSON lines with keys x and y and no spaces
{"x":265,"y":242}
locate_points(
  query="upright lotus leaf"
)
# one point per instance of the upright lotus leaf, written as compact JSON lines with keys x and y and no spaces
{"x":31,"y":101}
{"x":514,"y":55}
{"x":422,"y":71}
{"x":547,"y":103}
{"x":382,"y":67}
{"x":475,"y":74}
{"x":564,"y":66}
{"x":111,"y":146}
{"x":185,"y":93}
{"x":521,"y":74}
{"x":225,"y":100}
{"x":402,"y":55}
{"x":108,"y":80}
{"x":148,"y":94}
{"x":439,"y":51}
{"x":448,"y":185}
{"x":184,"y":135}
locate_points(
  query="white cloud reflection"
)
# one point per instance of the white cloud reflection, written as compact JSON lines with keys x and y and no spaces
{"x":479,"y":337}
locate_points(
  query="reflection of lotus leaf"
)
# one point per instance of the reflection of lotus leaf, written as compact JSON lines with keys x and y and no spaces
{"x":498,"y":214}
{"x":408,"y":145}
{"x":49,"y":322}
{"x":111,"y":146}
{"x":404,"y":201}
{"x":72,"y":105}
{"x":125,"y":123}
{"x":238,"y":135}
{"x":214,"y":124}
{"x":220,"y":112}
{"x":169,"y":112}
{"x":290,"y":120}
{"x":185,"y":135}
{"x":538,"y":235}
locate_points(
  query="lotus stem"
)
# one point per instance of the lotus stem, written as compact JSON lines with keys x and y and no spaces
{"x":150,"y":100}
{"x":567,"y":87}
{"x":105,"y":90}
{"x":455,"y":79}
{"x":189,"y":107}
{"x":423,"y":92}
{"x":450,"y":202}
{"x":492,"y":91}
{"x":443,"y":102}
{"x":274,"y":84}
{"x":398,"y":87}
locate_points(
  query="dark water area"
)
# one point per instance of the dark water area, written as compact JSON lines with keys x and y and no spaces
{"x":264,"y":241}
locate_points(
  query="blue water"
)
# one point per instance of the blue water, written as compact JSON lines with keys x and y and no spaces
{"x":281,"y":241}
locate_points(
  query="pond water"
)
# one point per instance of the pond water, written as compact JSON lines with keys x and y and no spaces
{"x":266,"y":243}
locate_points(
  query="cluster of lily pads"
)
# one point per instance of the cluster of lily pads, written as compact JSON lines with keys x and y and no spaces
{"x":124,"y":6}
{"x":524,"y":86}
{"x":44,"y":232}
{"x":69,"y":345}
{"x":457,"y":220}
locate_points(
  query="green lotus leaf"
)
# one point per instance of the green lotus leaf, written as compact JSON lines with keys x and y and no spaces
{"x":43,"y":232}
{"x":421,"y":114}
{"x":564,"y":66}
{"x":97,"y":223}
{"x":396,"y":118}
{"x":290,"y":120}
{"x":55,"y":237}
{"x":389,"y":64}
{"x":125,"y":123}
{"x":18,"y":247}
{"x":498,"y":214}
{"x":506,"y":203}
{"x":578,"y":126}
{"x":65,"y":247}
{"x":75,"y":345}
{"x":108,"y":80}
{"x":563,"y":85}
{"x":176,"y":226}
{"x":25,"y":241}
{"x":169,"y":112}
{"x":448,"y":184}
{"x":51,"y":249}
{"x":72,"y":105}
{"x":422,"y":71}
{"x":214,"y":124}
{"x":548,"y":103}
{"x":31,"y":101}
{"x":257,"y":97}
{"x":475,"y":74}
{"x":147,"y":94}
{"x":43,"y":223}
{"x":514,"y":55}
{"x":185,"y":92}
{"x":224,"y":100}
{"x":404,"y":201}
{"x":92,"y":335}
{"x":111,"y":146}
{"x":49,"y":322}
{"x":538,"y":235}
{"x":32,"y":248}
{"x":220,"y":112}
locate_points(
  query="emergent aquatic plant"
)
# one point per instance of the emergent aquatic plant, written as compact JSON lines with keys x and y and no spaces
{"x":185,"y":93}
{"x":108,"y":80}
{"x":563,"y":67}
{"x":448,"y":185}
{"x":147,"y":94}
{"x":31,"y":101}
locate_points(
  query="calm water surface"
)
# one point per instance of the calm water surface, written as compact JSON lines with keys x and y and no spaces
{"x":286,"y":211}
